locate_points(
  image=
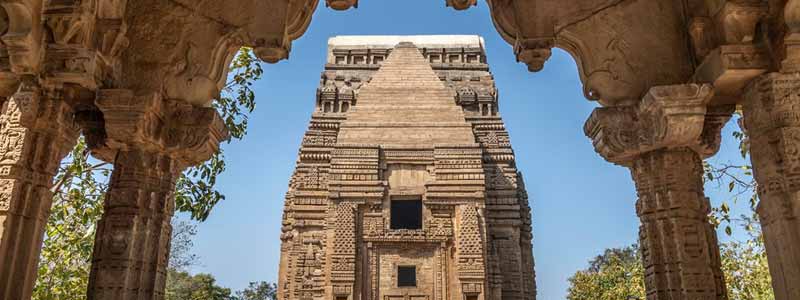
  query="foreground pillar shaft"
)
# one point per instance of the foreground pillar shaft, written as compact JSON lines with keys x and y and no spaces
{"x":678,"y":244}
{"x":150,"y":141}
{"x":36,"y":132}
{"x":133,"y":236}
{"x":663,"y":140}
{"x":772,"y":118}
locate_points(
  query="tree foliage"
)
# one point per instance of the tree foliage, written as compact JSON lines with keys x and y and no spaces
{"x":617,"y":274}
{"x":258,"y":291}
{"x":182,"y":286}
{"x":77,"y":206}
{"x":195,"y":190}
{"x":81,"y":183}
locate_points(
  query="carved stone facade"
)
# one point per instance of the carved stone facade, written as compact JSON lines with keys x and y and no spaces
{"x":401,"y":119}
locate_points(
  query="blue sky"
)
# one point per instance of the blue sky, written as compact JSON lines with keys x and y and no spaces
{"x":581,"y":204}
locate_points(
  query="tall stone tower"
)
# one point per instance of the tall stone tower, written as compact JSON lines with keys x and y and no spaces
{"x":406,"y":186}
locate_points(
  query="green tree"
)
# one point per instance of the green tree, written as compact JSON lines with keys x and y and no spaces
{"x":81,"y":183}
{"x":182,"y":286}
{"x":744,"y":259}
{"x":744,"y":263}
{"x":258,"y":291}
{"x":617,"y":274}
{"x":69,"y":236}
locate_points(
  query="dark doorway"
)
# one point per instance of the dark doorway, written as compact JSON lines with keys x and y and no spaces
{"x":406,"y":276}
{"x":406,"y":214}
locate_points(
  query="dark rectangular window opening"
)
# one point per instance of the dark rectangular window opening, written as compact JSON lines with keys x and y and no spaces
{"x":406,"y":276}
{"x":406,"y":214}
{"x":472,"y":297}
{"x":341,"y":297}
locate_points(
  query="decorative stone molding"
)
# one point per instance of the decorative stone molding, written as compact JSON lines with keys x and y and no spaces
{"x":36,"y":132}
{"x":132,"y":240}
{"x":187,"y":133}
{"x":667,"y":117}
{"x":679,"y":246}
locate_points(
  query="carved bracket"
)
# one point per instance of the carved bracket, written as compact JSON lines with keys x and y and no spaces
{"x":667,"y":117}
{"x":461,"y":4}
{"x":341,"y":4}
{"x":187,"y":133}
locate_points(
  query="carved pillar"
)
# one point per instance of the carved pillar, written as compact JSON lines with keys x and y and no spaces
{"x":771,"y":117}
{"x":150,"y":141}
{"x":663,"y":141}
{"x":36,"y":132}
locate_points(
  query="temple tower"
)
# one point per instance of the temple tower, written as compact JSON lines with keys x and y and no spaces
{"x":406,"y":187}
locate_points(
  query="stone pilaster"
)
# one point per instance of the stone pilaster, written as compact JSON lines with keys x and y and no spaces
{"x":36,"y":132}
{"x":151,"y":141}
{"x":663,"y":141}
{"x":772,"y":119}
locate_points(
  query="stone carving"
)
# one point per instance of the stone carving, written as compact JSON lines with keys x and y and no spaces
{"x":36,"y":131}
{"x":668,"y":116}
{"x":662,"y":142}
{"x":772,"y":123}
{"x":373,"y":155}
{"x":151,"y":141}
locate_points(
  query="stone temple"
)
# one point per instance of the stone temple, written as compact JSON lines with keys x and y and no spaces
{"x":406,"y":185}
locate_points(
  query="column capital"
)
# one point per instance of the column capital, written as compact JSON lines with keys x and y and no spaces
{"x":187,"y":133}
{"x":667,"y":117}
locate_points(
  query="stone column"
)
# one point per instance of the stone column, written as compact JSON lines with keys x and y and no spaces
{"x":772,"y":119}
{"x":663,"y":141}
{"x":150,"y":141}
{"x":36,"y":132}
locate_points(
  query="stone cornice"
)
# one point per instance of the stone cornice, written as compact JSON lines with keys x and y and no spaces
{"x":187,"y":133}
{"x":667,"y":117}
